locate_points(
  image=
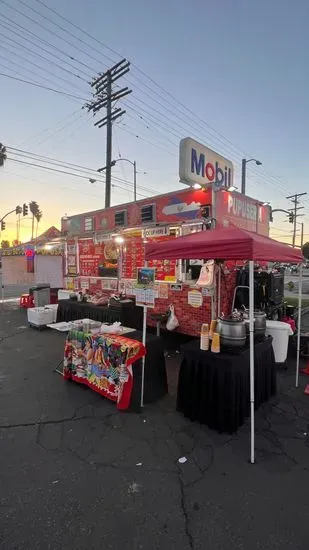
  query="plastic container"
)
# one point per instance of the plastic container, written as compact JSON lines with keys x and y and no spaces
{"x":280,"y":333}
{"x":40,"y":316}
{"x":54,"y":309}
{"x":64,"y":294}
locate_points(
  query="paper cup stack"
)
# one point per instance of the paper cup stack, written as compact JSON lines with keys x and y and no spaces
{"x":204,"y":337}
{"x":215,"y":346}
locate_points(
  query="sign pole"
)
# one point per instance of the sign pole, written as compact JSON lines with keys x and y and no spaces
{"x":213,"y":226}
{"x":2,"y":290}
{"x":143,"y":359}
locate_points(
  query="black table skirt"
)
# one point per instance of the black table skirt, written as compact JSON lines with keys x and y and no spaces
{"x":214,"y":389}
{"x":71,"y":310}
{"x":155,"y":381}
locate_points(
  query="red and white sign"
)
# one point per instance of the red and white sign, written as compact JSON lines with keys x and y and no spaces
{"x":242,"y":211}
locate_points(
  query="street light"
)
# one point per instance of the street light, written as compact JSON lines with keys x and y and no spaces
{"x":232,"y":188}
{"x":244,"y":163}
{"x":134,"y":172}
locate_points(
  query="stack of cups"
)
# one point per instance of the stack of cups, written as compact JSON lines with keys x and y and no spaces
{"x":204,"y":337}
{"x":213,"y":326}
{"x":215,"y":346}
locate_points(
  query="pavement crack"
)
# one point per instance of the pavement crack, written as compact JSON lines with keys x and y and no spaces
{"x":185,"y":511}
{"x":45,"y":422}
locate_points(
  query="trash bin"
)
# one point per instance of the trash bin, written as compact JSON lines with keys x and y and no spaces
{"x":41,"y":294}
{"x":280,"y":333}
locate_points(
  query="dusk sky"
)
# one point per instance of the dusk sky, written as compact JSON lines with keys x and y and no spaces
{"x":232,"y":74}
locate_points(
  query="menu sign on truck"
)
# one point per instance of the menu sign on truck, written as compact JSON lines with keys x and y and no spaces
{"x":97,"y":260}
{"x":90,"y":257}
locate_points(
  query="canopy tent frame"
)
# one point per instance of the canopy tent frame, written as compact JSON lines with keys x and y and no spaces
{"x":234,"y":244}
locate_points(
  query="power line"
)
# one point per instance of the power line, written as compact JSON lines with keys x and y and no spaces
{"x":120,"y":127}
{"x":39,"y":24}
{"x":81,"y":170}
{"x":174,"y":103}
{"x":39,"y":67}
{"x":13,"y":25}
{"x":21,"y":71}
{"x":79,"y":29}
{"x":30,"y":50}
{"x":49,"y":128}
{"x":37,"y":85}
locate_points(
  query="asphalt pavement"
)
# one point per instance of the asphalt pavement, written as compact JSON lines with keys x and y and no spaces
{"x":77,"y":473}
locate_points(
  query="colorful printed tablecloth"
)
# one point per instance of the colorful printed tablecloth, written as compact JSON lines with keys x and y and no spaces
{"x":102,"y":362}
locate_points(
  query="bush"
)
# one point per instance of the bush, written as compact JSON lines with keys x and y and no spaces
{"x":291,"y":286}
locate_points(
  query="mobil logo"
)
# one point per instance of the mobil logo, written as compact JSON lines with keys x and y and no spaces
{"x":199,"y":164}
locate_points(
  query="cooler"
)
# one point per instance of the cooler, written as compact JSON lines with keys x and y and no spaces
{"x":280,"y":333}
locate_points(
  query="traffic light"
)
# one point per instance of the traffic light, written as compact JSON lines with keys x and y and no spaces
{"x":25,"y":209}
{"x":2,"y":226}
{"x":2,"y":154}
{"x":18,"y":210}
{"x":291,"y":217}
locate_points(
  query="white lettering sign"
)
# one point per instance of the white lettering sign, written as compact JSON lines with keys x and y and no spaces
{"x":199,"y":164}
{"x":243,"y":208}
{"x":153,"y":232}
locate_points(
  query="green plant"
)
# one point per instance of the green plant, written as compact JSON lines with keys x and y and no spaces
{"x":291,"y":286}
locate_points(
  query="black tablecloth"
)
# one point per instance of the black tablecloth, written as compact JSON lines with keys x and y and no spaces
{"x":155,"y":381}
{"x":71,"y":310}
{"x":214,"y":389}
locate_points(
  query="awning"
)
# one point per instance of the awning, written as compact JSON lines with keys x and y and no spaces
{"x":224,"y":243}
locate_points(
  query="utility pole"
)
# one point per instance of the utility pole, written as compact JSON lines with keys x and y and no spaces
{"x":104,"y":97}
{"x":109,"y":137}
{"x":295,"y":201}
{"x":302,"y":235}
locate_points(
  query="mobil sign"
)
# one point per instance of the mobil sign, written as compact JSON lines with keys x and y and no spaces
{"x":199,"y":164}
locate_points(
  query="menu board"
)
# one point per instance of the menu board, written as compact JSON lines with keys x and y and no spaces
{"x":71,"y":258}
{"x":165,"y":269}
{"x":134,"y":258}
{"x":98,"y":260}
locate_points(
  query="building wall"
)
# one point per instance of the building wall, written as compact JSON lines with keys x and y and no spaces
{"x":49,"y":269}
{"x":14,"y":271}
{"x":191,"y":318}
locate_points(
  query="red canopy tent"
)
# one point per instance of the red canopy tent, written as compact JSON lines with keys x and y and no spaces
{"x":233,"y":244}
{"x":228,"y":243}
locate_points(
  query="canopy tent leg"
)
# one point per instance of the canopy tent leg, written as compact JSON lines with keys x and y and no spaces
{"x":251,"y":332}
{"x":143,"y":359}
{"x":300,"y":292}
{"x":219,"y":292}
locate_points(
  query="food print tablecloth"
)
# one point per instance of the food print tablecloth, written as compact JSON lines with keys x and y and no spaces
{"x":102,"y":362}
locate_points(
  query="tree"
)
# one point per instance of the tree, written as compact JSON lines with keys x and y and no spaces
{"x":5,"y":244}
{"x":35,"y":211}
{"x":306,"y":250}
{"x":38,"y":218}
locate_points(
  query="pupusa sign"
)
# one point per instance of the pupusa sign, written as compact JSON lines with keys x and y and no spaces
{"x":243,"y":208}
{"x":242,"y":211}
